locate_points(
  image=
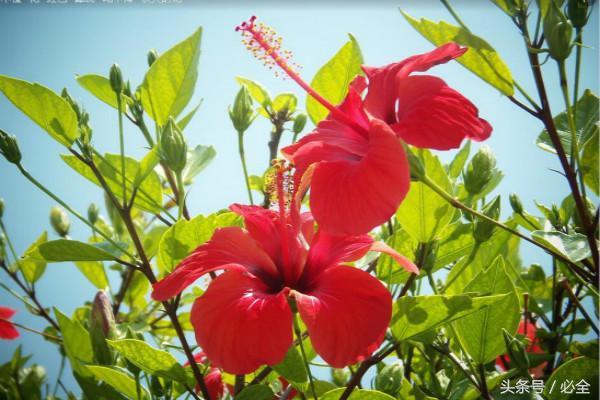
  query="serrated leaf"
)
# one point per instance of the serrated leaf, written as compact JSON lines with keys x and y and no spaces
{"x":119,"y":380}
{"x":72,"y":250}
{"x":46,"y":108}
{"x":481,"y":58}
{"x":573,"y":246}
{"x":333,"y":79}
{"x":100,"y":87}
{"x":170,"y":82}
{"x":198,"y":158}
{"x":33,"y":268}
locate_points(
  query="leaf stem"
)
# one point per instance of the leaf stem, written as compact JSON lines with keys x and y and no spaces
{"x":122,"y":148}
{"x":244,"y":168}
{"x":51,"y":337}
{"x":181,"y":196}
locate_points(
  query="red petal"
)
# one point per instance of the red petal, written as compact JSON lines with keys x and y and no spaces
{"x":214,"y":383}
{"x":240,"y":325}
{"x":6,"y":312}
{"x":347,"y":312}
{"x":435,"y":116}
{"x":354,"y":197}
{"x":228,"y":248}
{"x":399,"y":258}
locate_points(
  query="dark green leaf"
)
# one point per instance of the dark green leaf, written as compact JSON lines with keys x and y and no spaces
{"x":292,"y":367}
{"x":357,"y":394}
{"x":119,"y":380}
{"x":255,"y":392}
{"x":579,"y":371}
{"x":590,"y":161}
{"x":72,"y":250}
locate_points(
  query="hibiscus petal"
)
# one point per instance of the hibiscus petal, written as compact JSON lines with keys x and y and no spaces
{"x":6,"y":312}
{"x":240,"y":325}
{"x":346,"y":312}
{"x":228,"y":248}
{"x":404,"y":262}
{"x":354,"y":197}
{"x":7,"y":329}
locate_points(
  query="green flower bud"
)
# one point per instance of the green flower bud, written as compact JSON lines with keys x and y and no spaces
{"x":173,"y":147}
{"x":60,"y":221}
{"x":555,"y":218}
{"x":242,"y":113}
{"x":480,"y":170}
{"x":558,"y":31}
{"x":577,"y":10}
{"x":2,"y":247}
{"x":515,"y":203}
{"x":483,"y":229}
{"x":389,"y":380}
{"x":1,"y":207}
{"x":116,"y":78}
{"x":340,"y":376}
{"x":127,"y":89}
{"x":516,"y":351}
{"x":102,"y":327}
{"x":299,"y":123}
{"x":9,"y":148}
{"x":93,"y":212}
{"x":152,"y":56}
{"x":113,"y":215}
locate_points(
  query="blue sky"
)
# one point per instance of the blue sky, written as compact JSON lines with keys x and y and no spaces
{"x":51,"y":44}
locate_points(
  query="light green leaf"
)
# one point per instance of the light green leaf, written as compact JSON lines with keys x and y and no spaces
{"x":94,"y":272}
{"x":169,"y":83}
{"x":100,"y":87}
{"x":292,"y":368}
{"x":575,"y":370}
{"x":479,"y":332}
{"x":150,"y":360}
{"x":255,"y":392}
{"x":76,"y":341}
{"x":481,"y":58}
{"x":256,"y":90}
{"x":506,"y":6}
{"x":586,"y":122}
{"x":119,"y":380}
{"x":423,"y":213}
{"x":457,"y":164}
{"x":33,"y":268}
{"x":332,"y":80}
{"x":185,"y":120}
{"x":136,"y":294}
{"x":46,"y":108}
{"x":285,"y":101}
{"x":357,"y":394}
{"x":72,"y":250}
{"x":456,"y":245}
{"x":150,"y":160}
{"x":197,"y":159}
{"x":574,"y":246}
{"x":149,"y":197}
{"x":415,"y":315}
{"x":388,"y":269}
{"x":590,"y":162}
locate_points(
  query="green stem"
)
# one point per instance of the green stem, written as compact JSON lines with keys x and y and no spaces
{"x":122,"y":149}
{"x":17,"y":296}
{"x":71,"y":210}
{"x":10,"y":245}
{"x":181,"y":197}
{"x":304,"y":357}
{"x":579,"y":44}
{"x":244,"y":168}
{"x":51,"y":337}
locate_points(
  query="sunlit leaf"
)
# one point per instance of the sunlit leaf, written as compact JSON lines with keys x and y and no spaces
{"x":32,"y":267}
{"x":574,"y":246}
{"x":72,"y":250}
{"x":94,"y":272}
{"x":100,"y":87}
{"x":119,"y":380}
{"x":580,"y":371}
{"x":198,"y":158}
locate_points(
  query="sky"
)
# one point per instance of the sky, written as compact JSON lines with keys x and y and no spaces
{"x":52,"y":44}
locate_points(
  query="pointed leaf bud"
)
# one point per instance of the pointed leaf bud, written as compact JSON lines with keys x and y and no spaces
{"x":9,"y":148}
{"x":484,"y":229}
{"x":116,"y":78}
{"x":152,"y":56}
{"x":93,"y":212}
{"x":60,"y":221}
{"x":480,"y":170}
{"x":173,"y":147}
{"x":242,"y":112}
{"x":389,"y":380}
{"x":2,"y":247}
{"x":516,"y":351}
{"x":515,"y":203}
{"x":299,"y":123}
{"x":102,"y":327}
{"x":577,"y":10}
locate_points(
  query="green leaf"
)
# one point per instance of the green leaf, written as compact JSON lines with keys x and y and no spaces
{"x":256,"y":90}
{"x":46,"y":108}
{"x":76,"y":342}
{"x":100,"y":87}
{"x":357,"y":394}
{"x":574,"y":371}
{"x":150,"y":360}
{"x":136,"y":294}
{"x":285,"y":101}
{"x":72,"y":250}
{"x":479,"y":332}
{"x":457,"y":164}
{"x":423,"y":213}
{"x":33,"y":268}
{"x":590,"y":162}
{"x":185,"y":120}
{"x":481,"y":58}
{"x":147,"y":165}
{"x":119,"y":380}
{"x":332,"y":79}
{"x":94,"y":272}
{"x":255,"y":392}
{"x":184,"y":236}
{"x":197,"y":159}
{"x":388,"y":269}
{"x":169,"y":83}
{"x":415,"y":315}
{"x":149,"y":197}
{"x":573,"y":246}
{"x":292,"y":368}
{"x":586,"y":122}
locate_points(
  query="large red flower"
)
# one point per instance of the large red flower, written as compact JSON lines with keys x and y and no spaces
{"x":7,"y":329}
{"x":244,"y":319}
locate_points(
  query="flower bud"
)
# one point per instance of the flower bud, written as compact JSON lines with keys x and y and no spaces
{"x":515,"y":203}
{"x":93,"y":212}
{"x":116,"y":78}
{"x":340,"y":376}
{"x":389,"y":380}
{"x":9,"y":148}
{"x":113,"y":215}
{"x":102,"y":327}
{"x":242,"y":113}
{"x":173,"y":147}
{"x":2,"y":247}
{"x":558,"y":31}
{"x":299,"y":123}
{"x":152,"y":56}
{"x":127,"y":89}
{"x":60,"y":221}
{"x":484,"y":229}
{"x":516,"y":351}
{"x":577,"y":10}
{"x":1,"y":207}
{"x":480,"y":170}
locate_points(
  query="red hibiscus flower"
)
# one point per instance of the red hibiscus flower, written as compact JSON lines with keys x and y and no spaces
{"x":361,"y":173}
{"x":244,"y":319}
{"x":529,"y":330}
{"x":7,"y":329}
{"x":212,"y":379}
